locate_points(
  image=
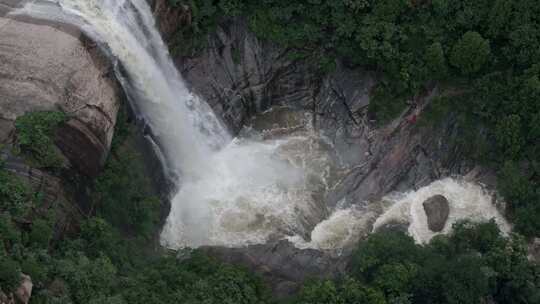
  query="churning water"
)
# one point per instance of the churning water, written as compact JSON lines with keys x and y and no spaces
{"x":466,"y":201}
{"x":233,"y":192}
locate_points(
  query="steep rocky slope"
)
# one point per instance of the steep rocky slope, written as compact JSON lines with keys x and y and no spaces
{"x":53,"y":67}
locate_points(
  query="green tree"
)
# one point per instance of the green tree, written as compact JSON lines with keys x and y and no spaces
{"x":509,"y":136}
{"x":10,"y":274}
{"x":470,"y":53}
{"x":35,"y":133}
{"x":15,"y":197}
{"x":436,"y":61}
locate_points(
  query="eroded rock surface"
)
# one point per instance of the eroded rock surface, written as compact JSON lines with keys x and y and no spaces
{"x":47,"y":66}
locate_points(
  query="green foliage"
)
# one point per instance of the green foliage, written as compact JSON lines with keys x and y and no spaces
{"x":10,"y":274}
{"x":436,"y":61}
{"x":471,"y":264}
{"x":134,"y":208}
{"x":35,"y":132}
{"x":9,"y":234}
{"x":15,"y":197}
{"x":385,"y":104}
{"x":470,"y":53}
{"x":41,"y":234}
{"x":87,"y":278}
{"x":347,"y":291}
{"x":198,"y":279}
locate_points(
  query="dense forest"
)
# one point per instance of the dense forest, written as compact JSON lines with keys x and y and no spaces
{"x":484,"y":56}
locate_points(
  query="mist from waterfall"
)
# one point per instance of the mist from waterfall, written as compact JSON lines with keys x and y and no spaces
{"x":247,"y":190}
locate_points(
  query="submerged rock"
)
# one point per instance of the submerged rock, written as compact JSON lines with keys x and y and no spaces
{"x":437,"y":210}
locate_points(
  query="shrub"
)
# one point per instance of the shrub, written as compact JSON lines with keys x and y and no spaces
{"x":35,"y":133}
{"x":15,"y":197}
{"x":10,"y":274}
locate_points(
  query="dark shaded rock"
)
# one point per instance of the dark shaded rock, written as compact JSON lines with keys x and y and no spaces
{"x":49,"y":186}
{"x":283,"y":266}
{"x":437,"y":210}
{"x":394,"y":226}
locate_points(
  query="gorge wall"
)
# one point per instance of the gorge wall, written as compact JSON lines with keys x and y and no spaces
{"x":241,"y":76}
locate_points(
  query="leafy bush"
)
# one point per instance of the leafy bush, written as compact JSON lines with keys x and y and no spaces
{"x":198,"y":279}
{"x":471,"y":264}
{"x":470,"y":53}
{"x":35,"y":133}
{"x":15,"y":197}
{"x":10,"y":274}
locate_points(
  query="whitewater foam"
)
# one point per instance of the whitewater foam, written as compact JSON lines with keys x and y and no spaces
{"x":466,"y":201}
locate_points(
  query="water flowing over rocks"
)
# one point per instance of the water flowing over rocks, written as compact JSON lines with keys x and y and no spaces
{"x":437,"y":210}
{"x":241,"y":76}
{"x":48,"y":66}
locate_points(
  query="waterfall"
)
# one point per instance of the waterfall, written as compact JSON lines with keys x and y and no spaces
{"x":232,"y":192}
{"x":181,"y":123}
{"x":242,"y":191}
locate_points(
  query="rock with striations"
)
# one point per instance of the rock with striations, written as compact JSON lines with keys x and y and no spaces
{"x":437,"y":210}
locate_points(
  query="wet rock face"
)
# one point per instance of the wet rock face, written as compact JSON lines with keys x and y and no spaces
{"x":46,"y":66}
{"x":437,"y":210}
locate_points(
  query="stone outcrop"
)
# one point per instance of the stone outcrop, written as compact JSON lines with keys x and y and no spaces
{"x":437,"y":210}
{"x":49,"y":66}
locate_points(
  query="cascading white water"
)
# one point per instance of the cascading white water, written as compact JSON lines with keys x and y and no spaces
{"x":185,"y":127}
{"x":232,"y":193}
{"x":242,"y":191}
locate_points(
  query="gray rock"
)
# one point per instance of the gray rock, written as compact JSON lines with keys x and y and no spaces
{"x":24,"y":291}
{"x":394,"y":226}
{"x":48,"y":66}
{"x":534,"y":250}
{"x":437,"y":210}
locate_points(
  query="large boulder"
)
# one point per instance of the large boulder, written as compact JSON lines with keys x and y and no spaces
{"x":437,"y":210}
{"x":49,"y":66}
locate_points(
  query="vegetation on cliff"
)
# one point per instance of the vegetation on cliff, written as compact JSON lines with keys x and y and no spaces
{"x":35,"y":137}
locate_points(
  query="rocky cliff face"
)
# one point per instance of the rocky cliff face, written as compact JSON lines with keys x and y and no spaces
{"x":48,"y":66}
{"x":240,"y":76}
